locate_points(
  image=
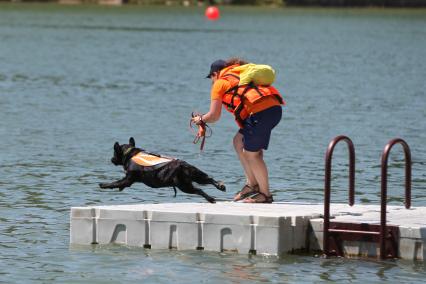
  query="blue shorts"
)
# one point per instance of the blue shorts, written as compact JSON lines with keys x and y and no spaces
{"x":257,"y":128}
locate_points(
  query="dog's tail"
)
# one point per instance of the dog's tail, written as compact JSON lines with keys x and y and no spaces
{"x":174,"y":188}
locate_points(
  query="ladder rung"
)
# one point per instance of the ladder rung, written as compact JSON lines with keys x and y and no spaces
{"x":353,"y":232}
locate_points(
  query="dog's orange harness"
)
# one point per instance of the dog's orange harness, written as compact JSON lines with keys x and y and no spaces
{"x":147,"y":160}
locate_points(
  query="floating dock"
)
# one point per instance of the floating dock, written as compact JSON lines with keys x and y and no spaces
{"x":272,"y":229}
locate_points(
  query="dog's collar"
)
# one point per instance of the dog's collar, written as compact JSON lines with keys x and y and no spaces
{"x":127,"y":155}
{"x":128,"y":151}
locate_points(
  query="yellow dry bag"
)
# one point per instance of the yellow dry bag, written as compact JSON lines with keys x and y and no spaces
{"x":259,"y":74}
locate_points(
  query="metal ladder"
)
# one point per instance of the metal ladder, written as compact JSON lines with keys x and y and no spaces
{"x":334,"y":233}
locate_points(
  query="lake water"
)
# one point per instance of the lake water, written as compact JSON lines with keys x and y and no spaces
{"x":75,"y":79}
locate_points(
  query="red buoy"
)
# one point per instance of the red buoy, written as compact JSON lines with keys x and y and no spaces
{"x":212,"y":13}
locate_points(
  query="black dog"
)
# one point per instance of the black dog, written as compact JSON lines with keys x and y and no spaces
{"x":158,"y":171}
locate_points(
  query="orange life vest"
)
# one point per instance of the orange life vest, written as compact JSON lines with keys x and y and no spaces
{"x":148,"y":160}
{"x":248,"y":99}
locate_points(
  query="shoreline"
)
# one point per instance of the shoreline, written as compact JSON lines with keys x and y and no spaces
{"x":387,"y":4}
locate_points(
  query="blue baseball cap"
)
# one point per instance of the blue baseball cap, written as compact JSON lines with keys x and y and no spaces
{"x":216,"y":66}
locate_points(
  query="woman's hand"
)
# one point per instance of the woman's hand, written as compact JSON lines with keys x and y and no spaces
{"x":212,"y":116}
{"x":197,"y":119}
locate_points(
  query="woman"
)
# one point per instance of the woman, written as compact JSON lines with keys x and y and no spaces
{"x":257,"y":110}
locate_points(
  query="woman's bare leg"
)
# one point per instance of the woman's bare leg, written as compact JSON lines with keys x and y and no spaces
{"x":239,"y":148}
{"x":258,"y":168}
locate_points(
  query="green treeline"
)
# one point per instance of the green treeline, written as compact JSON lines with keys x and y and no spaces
{"x":325,"y":3}
{"x":355,"y":3}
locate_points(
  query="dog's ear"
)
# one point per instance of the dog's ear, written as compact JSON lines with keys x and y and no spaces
{"x":117,"y":147}
{"x":132,"y":142}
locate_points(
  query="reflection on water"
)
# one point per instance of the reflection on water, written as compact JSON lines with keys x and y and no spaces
{"x":76,"y":79}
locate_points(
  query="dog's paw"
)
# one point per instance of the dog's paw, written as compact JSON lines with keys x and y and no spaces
{"x":221,"y":186}
{"x":103,"y":185}
{"x":211,"y":200}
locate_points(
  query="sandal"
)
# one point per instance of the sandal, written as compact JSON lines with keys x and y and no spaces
{"x":246,"y":191}
{"x":259,"y":198}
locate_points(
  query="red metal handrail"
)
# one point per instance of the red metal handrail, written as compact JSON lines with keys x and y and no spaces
{"x":327,"y":184}
{"x":383,"y":198}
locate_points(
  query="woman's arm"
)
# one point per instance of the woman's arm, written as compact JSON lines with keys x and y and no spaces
{"x":213,"y":115}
